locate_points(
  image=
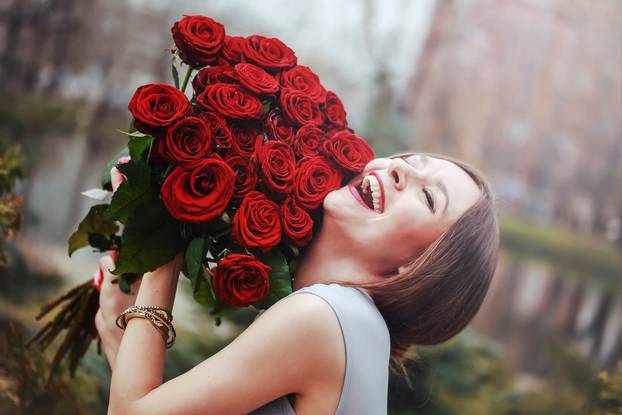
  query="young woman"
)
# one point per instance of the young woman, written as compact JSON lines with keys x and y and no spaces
{"x":412,"y":269}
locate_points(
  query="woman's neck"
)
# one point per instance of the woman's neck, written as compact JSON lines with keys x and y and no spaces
{"x":325,"y":261}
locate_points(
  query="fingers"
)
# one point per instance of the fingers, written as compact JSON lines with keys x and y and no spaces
{"x":107,"y":290}
{"x":116,"y":177}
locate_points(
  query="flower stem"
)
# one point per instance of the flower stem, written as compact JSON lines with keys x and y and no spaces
{"x":186,"y":79}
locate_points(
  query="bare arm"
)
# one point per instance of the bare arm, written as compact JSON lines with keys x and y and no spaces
{"x":285,"y":350}
{"x":139,"y":364}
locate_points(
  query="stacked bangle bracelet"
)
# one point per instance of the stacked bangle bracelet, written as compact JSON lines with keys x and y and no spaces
{"x":159,"y":318}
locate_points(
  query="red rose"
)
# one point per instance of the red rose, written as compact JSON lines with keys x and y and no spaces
{"x":231,"y":101}
{"x":297,"y":223}
{"x":257,"y":223}
{"x":277,"y":165}
{"x":232,"y":49}
{"x":256,"y":79}
{"x":315,"y":178}
{"x":199,"y":191}
{"x":240,"y":280}
{"x":334,"y":112}
{"x":199,"y":39}
{"x":276,"y":128}
{"x":299,"y":109}
{"x":213,"y":75}
{"x":156,"y":106}
{"x":269,"y":53}
{"x":221,"y":134}
{"x":348,"y":150}
{"x":188,"y":140}
{"x":245,"y":176}
{"x":157,"y":156}
{"x":302,"y":79}
{"x":244,"y":137}
{"x":307,"y":141}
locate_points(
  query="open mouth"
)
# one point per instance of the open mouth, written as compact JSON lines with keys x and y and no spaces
{"x":370,"y":193}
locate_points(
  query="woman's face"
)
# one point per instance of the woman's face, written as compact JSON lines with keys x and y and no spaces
{"x":417,"y":199}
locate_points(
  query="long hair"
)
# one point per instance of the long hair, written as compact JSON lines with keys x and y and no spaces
{"x":442,"y":289}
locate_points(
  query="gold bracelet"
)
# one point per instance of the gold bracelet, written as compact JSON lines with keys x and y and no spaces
{"x":122,"y":322}
{"x":158,"y":317}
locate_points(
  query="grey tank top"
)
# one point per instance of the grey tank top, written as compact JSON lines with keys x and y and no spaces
{"x":367,"y":345}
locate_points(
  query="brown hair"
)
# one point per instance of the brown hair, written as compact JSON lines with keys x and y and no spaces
{"x":442,"y":289}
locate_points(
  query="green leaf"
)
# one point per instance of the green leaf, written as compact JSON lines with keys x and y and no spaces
{"x":126,"y":281}
{"x":151,"y":238}
{"x":93,"y":223}
{"x":266,"y":106}
{"x":106,"y":183}
{"x":99,"y":241}
{"x":132,"y":192}
{"x":202,"y":292}
{"x":140,"y":147}
{"x":201,"y":287}
{"x":175,"y":74}
{"x":133,"y":133}
{"x":280,"y":281}
{"x":195,"y":252}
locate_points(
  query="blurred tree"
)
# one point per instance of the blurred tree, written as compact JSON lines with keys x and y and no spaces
{"x":465,"y":376}
{"x":10,"y":204}
{"x":609,"y":400}
{"x":23,"y":381}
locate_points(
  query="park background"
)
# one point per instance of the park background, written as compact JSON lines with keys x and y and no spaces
{"x":529,"y":91}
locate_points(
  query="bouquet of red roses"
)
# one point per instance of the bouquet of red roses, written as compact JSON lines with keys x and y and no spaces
{"x":234,"y":177}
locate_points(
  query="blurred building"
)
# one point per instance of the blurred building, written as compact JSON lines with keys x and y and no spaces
{"x":530,"y":91}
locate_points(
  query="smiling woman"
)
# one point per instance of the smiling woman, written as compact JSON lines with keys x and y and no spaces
{"x":434,"y":244}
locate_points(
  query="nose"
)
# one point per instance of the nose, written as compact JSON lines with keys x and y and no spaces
{"x":402,"y":172}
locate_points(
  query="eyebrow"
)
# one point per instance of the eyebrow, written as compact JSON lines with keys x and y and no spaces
{"x":425,"y":159}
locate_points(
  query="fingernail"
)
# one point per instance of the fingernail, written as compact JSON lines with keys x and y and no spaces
{"x":123,"y":159}
{"x":98,"y":279}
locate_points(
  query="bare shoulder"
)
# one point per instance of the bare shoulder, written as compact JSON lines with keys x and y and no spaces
{"x":312,"y":326}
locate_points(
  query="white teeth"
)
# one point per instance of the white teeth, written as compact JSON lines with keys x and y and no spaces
{"x":370,"y":182}
{"x":365,"y":185}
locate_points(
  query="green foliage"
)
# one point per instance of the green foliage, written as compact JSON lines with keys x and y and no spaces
{"x":36,"y":115}
{"x":470,"y":375}
{"x":201,"y":287}
{"x":140,"y":147}
{"x":24,"y":387}
{"x":11,"y":167}
{"x":134,"y":191}
{"x":570,"y":252}
{"x":609,"y":400}
{"x":94,"y":223}
{"x":151,"y":238}
{"x":464,"y":376}
{"x":10,"y":205}
{"x":280,"y":280}
{"x":175,"y":74}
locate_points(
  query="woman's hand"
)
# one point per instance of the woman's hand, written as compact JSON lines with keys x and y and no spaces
{"x":112,"y":302}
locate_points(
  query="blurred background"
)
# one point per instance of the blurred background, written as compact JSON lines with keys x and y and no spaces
{"x":529,"y":91}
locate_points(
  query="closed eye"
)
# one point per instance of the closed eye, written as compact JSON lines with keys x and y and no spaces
{"x":428,"y":196}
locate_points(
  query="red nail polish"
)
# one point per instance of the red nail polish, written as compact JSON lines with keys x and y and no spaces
{"x":98,"y":279}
